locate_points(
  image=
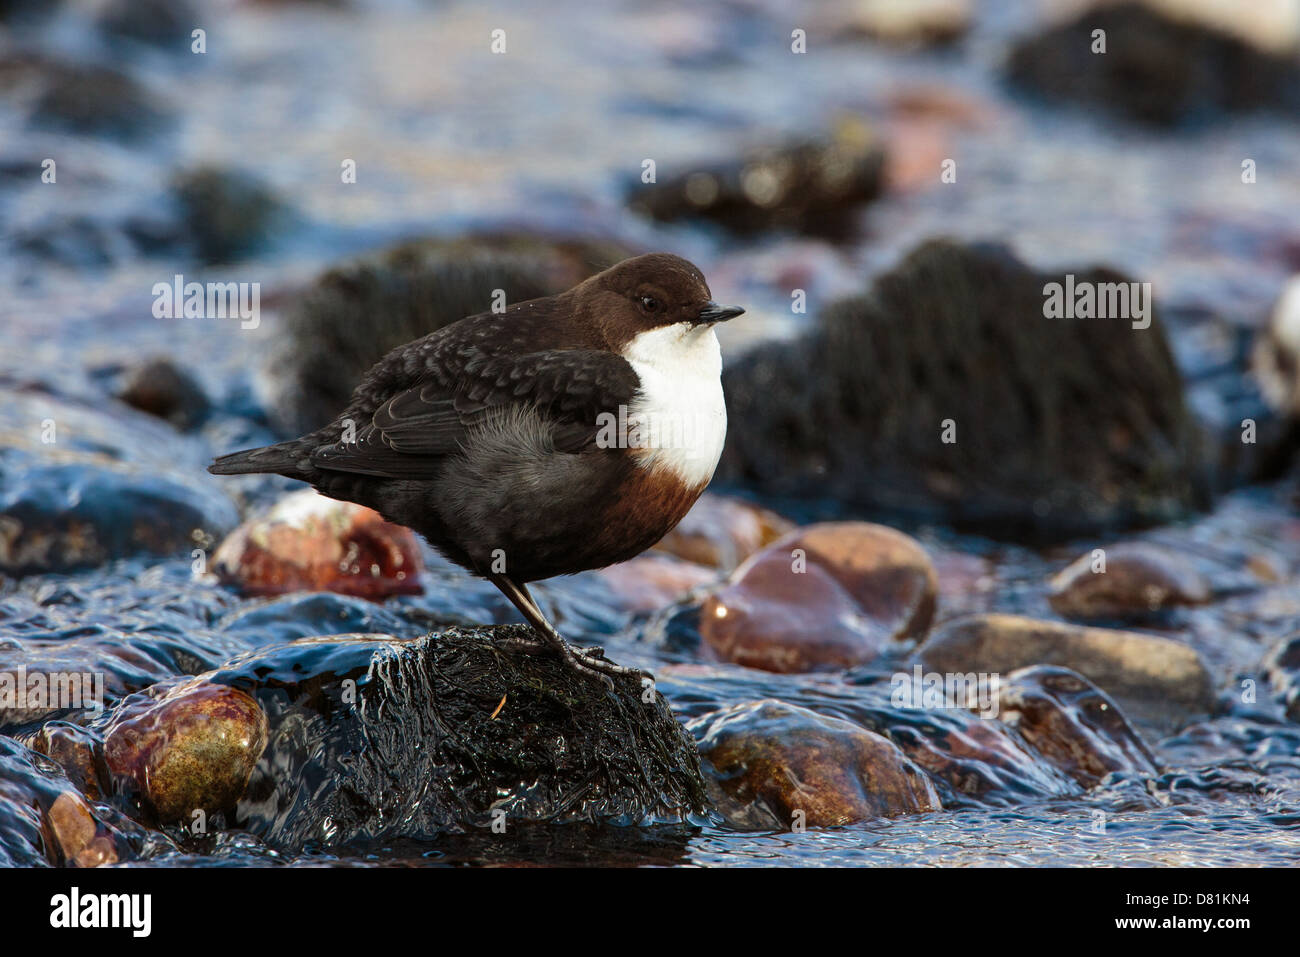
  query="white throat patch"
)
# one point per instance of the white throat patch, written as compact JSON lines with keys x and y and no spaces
{"x":678,"y":420}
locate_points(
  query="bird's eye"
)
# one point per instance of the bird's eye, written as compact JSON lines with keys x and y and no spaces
{"x":649,"y":303}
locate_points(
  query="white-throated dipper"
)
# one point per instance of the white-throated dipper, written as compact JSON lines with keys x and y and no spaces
{"x":563,"y":434}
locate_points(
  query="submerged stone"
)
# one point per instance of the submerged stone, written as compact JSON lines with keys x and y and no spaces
{"x":189,"y":748}
{"x":44,"y":820}
{"x":822,"y":598}
{"x":1073,"y":724}
{"x":771,"y":764}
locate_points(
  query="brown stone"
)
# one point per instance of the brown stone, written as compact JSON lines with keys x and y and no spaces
{"x":307,"y":542}
{"x":774,"y":764}
{"x":72,"y":823}
{"x":1072,"y":723}
{"x":1139,"y":579}
{"x":1158,"y":680}
{"x":824,"y":597}
{"x":191,"y":749}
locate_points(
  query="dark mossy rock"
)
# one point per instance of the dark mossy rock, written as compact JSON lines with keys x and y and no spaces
{"x":1062,"y":426}
{"x":165,"y":390}
{"x":1156,"y":69}
{"x":355,"y":313}
{"x":807,"y":187}
{"x":79,"y":486}
{"x":376,"y":738}
{"x":80,"y":97}
{"x":225,"y":213}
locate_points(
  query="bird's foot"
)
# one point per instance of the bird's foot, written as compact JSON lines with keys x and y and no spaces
{"x":588,"y":661}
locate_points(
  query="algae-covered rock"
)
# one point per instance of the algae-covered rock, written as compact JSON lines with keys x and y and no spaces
{"x":376,"y":738}
{"x":948,"y":392}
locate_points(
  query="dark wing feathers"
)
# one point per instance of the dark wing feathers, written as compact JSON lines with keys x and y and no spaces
{"x":411,"y":431}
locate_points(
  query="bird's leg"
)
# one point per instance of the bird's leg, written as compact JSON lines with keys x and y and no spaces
{"x":586,"y":660}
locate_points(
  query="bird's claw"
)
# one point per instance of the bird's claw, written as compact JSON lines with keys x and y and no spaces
{"x":588,"y":661}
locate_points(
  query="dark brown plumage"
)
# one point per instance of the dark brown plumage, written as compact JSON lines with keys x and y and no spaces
{"x":489,"y":437}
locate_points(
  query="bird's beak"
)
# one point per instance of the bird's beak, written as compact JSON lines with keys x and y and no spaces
{"x":712,"y":312}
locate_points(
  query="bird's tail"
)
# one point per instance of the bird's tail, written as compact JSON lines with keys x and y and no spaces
{"x":291,"y":458}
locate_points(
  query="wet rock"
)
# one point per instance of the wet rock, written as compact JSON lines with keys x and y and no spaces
{"x":1138,"y":579}
{"x":162,"y":23}
{"x":355,"y":313}
{"x":448,"y":732}
{"x":80,"y":97}
{"x":976,"y":762}
{"x":770,"y":764}
{"x":78,"y":751}
{"x":79,"y":487}
{"x":822,"y":598}
{"x":722,"y":532}
{"x":947,"y":394}
{"x":1073,"y":724}
{"x":225,"y":213}
{"x":307,"y":542}
{"x":1158,"y":681}
{"x":1156,"y":69}
{"x":1276,"y":359}
{"x":808,"y":187}
{"x":45,"y":821}
{"x":162,"y":389}
{"x":188,"y":748}
{"x":650,"y":582}
{"x":1281,"y":668}
{"x":902,"y":23}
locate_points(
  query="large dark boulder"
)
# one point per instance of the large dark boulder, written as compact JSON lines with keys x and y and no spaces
{"x":372,"y":737}
{"x":1155,"y":69}
{"x":1060,"y":426}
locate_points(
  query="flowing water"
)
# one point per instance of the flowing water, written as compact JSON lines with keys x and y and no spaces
{"x":448,"y":136}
